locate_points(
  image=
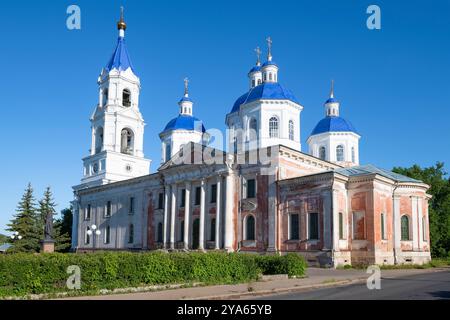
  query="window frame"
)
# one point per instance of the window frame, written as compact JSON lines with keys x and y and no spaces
{"x":107,"y":237}
{"x":131,"y":205}
{"x":108,"y":209}
{"x":340,"y":156}
{"x":246,"y":227}
{"x":297,"y":226}
{"x":402,"y":226}
{"x":198,"y":196}
{"x":274,"y":127}
{"x":291,"y":129}
{"x":247,"y":192}
{"x":213,"y":198}
{"x":131,"y":233}
{"x":317,"y":228}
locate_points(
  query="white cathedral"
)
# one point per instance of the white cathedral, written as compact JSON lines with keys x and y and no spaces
{"x":262,"y":195}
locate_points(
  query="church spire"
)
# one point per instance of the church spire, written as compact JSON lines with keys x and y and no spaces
{"x":332,"y":90}
{"x":269,"y":49}
{"x":121,"y":25}
{"x":332,"y":105}
{"x":186,"y":103}
{"x":258,"y":56}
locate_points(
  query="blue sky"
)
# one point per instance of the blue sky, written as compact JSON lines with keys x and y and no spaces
{"x":393,"y":83}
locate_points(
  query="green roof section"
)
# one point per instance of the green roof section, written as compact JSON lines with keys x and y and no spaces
{"x":371,"y":169}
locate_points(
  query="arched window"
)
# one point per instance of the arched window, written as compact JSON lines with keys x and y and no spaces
{"x":105,"y":97}
{"x":127,"y":140}
{"x":340,"y":153}
{"x":264,"y":77}
{"x":250,"y":228}
{"x":126,"y":98}
{"x":259,"y":81}
{"x":253,"y":83}
{"x":159,"y":237}
{"x":353,"y":155}
{"x":270,"y":76}
{"x":252,"y":130}
{"x":322,"y":153}
{"x":87,"y":236}
{"x":213,"y":230}
{"x":98,"y":140}
{"x":273,"y":127}
{"x":405,"y":228}
{"x":107,"y":235}
{"x":131,"y":234}
{"x":291,"y":130}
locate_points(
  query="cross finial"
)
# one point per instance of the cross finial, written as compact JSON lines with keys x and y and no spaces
{"x":186,"y":83}
{"x":121,"y":25}
{"x":269,"y":48}
{"x":332,"y":89}
{"x":258,"y":56}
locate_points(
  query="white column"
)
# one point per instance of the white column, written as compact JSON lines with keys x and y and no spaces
{"x":201,"y":236}
{"x":166,"y":214}
{"x":218,"y":208}
{"x":173,"y":216}
{"x":414,"y":223}
{"x":420,"y":218}
{"x":396,"y":226}
{"x":187,"y":214}
{"x":229,"y":204}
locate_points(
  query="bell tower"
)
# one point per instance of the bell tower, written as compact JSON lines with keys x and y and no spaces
{"x":117,"y":126}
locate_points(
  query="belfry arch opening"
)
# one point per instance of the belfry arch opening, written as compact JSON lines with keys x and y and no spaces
{"x":127,"y":141}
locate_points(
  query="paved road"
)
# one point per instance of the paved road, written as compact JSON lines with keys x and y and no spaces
{"x":434,"y":285}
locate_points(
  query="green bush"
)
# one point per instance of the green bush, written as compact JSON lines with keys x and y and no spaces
{"x":291,"y":264}
{"x":22,"y":274}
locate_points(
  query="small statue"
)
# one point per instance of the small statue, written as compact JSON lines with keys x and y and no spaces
{"x":48,"y":229}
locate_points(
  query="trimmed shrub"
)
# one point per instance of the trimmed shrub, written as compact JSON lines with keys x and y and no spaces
{"x":22,"y":274}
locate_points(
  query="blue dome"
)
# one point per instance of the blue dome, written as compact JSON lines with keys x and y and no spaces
{"x":269,"y":63}
{"x":254,"y":69}
{"x":185,"y":122}
{"x":333,"y":124}
{"x":267,"y":91}
{"x":120,"y":59}
{"x":186,"y":99}
{"x":331,"y":100}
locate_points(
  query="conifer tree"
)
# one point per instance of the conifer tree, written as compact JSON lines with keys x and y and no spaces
{"x":24,"y":222}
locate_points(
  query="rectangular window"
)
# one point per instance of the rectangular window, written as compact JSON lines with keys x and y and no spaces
{"x":383,"y":230}
{"x":213,"y":193}
{"x":424,"y":229}
{"x":341,"y":226}
{"x":251,"y":188}
{"x":313,"y":226}
{"x":197,"y":195}
{"x":160,"y":200}
{"x":293,"y":227}
{"x":131,"y":206}
{"x":359,"y":232}
{"x":108,"y":209}
{"x":107,"y":235}
{"x":87,"y":213}
{"x":183,"y":198}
